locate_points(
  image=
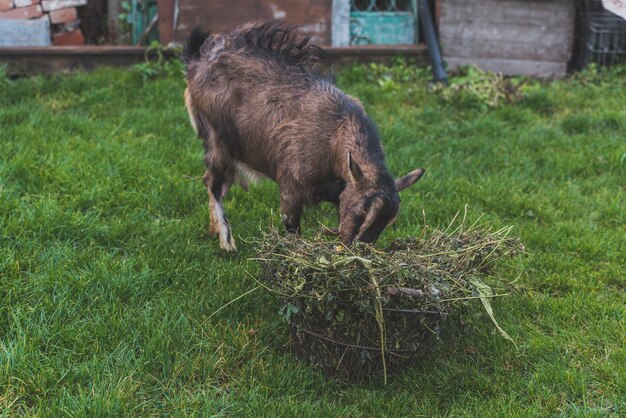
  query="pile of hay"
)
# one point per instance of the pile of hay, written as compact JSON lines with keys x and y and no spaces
{"x":361,"y":310}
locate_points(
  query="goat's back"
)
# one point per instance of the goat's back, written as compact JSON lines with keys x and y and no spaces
{"x":255,"y":87}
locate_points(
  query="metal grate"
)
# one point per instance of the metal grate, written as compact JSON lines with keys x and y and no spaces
{"x":603,"y":38}
{"x":382,"y":5}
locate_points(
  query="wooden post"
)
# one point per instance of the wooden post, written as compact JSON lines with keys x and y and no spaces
{"x":437,"y":15}
{"x":166,"y":21}
{"x":113,"y":12}
{"x":340,"y":21}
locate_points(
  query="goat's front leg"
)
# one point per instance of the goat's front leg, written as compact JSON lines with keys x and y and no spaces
{"x":291,"y":210}
{"x":334,"y":231}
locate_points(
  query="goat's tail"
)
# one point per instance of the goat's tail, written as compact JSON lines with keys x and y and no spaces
{"x":191,"y":51}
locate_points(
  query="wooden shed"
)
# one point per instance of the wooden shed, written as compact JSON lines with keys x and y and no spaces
{"x":526,"y":37}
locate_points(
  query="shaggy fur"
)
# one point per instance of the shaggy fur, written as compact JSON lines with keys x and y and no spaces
{"x":261,"y":110}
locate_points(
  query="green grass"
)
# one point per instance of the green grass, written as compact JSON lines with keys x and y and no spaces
{"x":109,"y":279}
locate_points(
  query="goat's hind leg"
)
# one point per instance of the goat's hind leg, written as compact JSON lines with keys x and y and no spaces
{"x":218,"y":177}
{"x":217,"y":186}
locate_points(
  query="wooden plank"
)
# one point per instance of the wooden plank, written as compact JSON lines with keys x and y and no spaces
{"x":512,"y":67}
{"x":32,"y":32}
{"x":530,"y":18}
{"x":506,"y":9}
{"x":468,"y":48}
{"x":539,"y":13}
{"x":375,"y":50}
{"x":53,"y":59}
{"x":518,"y":32}
{"x":512,"y":40}
{"x":545,"y":5}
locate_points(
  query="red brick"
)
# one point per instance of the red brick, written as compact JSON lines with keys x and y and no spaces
{"x":63,"y":16}
{"x":6,"y":5}
{"x":49,"y":5}
{"x":74,"y":37}
{"x":29,"y":12}
{"x":25,"y":3}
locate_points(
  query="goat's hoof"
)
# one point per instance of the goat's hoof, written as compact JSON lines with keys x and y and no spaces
{"x":228,"y":244}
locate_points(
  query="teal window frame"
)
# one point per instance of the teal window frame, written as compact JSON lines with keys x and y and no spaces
{"x":371,"y":22}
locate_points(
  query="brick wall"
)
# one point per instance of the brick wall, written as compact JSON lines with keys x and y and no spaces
{"x":61,"y":16}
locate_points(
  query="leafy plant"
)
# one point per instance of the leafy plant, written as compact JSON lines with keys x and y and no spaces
{"x":159,"y":62}
{"x":595,"y":74}
{"x":398,"y":74}
{"x":125,"y":25}
{"x":4,"y":74}
{"x":485,"y":89}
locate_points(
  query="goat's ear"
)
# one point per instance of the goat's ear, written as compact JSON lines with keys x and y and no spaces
{"x":408,"y":180}
{"x":356,"y":174}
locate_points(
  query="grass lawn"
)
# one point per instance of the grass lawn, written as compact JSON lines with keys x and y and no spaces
{"x":109,"y":279}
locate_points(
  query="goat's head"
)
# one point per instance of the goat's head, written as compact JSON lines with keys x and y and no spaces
{"x":367,"y":207}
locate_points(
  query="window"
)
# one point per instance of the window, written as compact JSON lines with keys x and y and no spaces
{"x":383,"y":22}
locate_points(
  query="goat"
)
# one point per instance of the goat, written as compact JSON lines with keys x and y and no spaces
{"x":262,"y":111}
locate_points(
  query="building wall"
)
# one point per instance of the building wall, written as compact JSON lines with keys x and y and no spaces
{"x":312,"y":16}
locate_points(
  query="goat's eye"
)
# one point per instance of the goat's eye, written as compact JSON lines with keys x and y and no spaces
{"x":364,"y":209}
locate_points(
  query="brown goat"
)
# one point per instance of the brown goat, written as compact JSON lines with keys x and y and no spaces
{"x":260,"y":111}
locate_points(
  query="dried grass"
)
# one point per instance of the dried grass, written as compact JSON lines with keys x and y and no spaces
{"x":361,"y":310}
